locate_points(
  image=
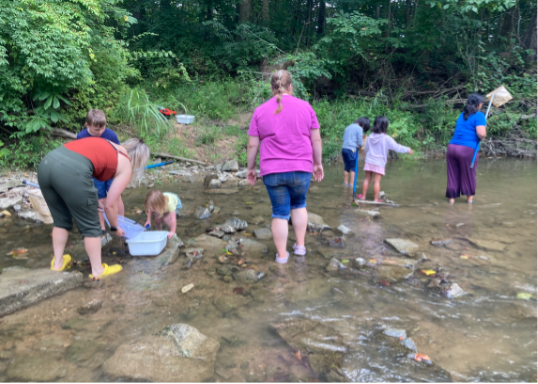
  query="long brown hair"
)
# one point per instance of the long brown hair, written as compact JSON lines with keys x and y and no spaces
{"x":156,"y":202}
{"x":280,"y":84}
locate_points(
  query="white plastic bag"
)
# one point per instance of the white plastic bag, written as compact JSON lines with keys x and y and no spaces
{"x":502,"y":96}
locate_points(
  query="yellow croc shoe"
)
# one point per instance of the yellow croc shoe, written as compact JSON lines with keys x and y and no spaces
{"x":109,"y":270}
{"x":67,"y":263}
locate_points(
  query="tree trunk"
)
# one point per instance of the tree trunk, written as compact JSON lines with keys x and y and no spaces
{"x":529,"y":38}
{"x":321,"y":17}
{"x":389,"y":24}
{"x":310,"y":5}
{"x":245,"y":11}
{"x":265,"y":12}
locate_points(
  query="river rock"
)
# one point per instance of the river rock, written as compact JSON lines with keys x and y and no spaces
{"x":105,"y":239}
{"x":323,"y":345}
{"x":243,"y":174}
{"x":91,"y":307}
{"x":21,"y":287}
{"x":193,"y":255}
{"x":215,"y":184}
{"x":211,"y":244}
{"x":334,"y":265}
{"x":366,"y":213}
{"x":252,"y":247}
{"x":257,"y":220}
{"x":488,"y":245}
{"x":246,"y":276}
{"x":359,"y":262}
{"x":235,"y":223}
{"x":8,"y":184}
{"x":393,"y":332}
{"x":45,"y":367}
{"x":28,"y":215}
{"x":202,"y":213}
{"x":231,"y":166}
{"x":337,"y":242}
{"x":345,"y":230}
{"x":7,"y":202}
{"x":405,"y":247}
{"x":228,"y":303}
{"x":170,"y":253}
{"x":409,"y":344}
{"x":453,"y":291}
{"x":441,"y":243}
{"x":216,"y":233}
{"x":221,"y":191}
{"x":263,"y":233}
{"x":392,"y":273}
{"x":179,"y":353}
{"x":209,"y":178}
{"x":316,"y":223}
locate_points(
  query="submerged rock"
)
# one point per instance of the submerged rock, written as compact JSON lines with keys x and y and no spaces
{"x":7,"y":202}
{"x":345,"y":230}
{"x":409,"y":344}
{"x":193,"y":255}
{"x":257,"y":220}
{"x":359,"y":262}
{"x":45,"y":367}
{"x":337,"y":242}
{"x":453,"y":291}
{"x":441,"y":243}
{"x":21,"y":287}
{"x":202,"y":213}
{"x":226,"y":304}
{"x":211,"y":244}
{"x":488,"y":245}
{"x":247,"y":276}
{"x":216,"y":233}
{"x":316,"y":223}
{"x":323,"y":345}
{"x":235,"y":223}
{"x":215,"y":184}
{"x":209,"y":178}
{"x":405,"y":247}
{"x":263,"y":233}
{"x":179,"y":353}
{"x":250,"y":246}
{"x":394,"y":332}
{"x":170,"y":253}
{"x":90,"y":308}
{"x":28,"y":215}
{"x":231,"y":166}
{"x":366,"y":213}
{"x":335,"y":265}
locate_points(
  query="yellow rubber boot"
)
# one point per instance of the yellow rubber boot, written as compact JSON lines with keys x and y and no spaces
{"x":66,"y":264}
{"x":109,"y":270}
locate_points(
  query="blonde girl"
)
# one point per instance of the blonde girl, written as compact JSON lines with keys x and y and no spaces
{"x":164,"y":206}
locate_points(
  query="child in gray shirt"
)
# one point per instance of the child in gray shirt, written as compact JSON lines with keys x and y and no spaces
{"x":350,"y":148}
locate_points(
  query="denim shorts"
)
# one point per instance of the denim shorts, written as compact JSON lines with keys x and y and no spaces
{"x":349,"y":159}
{"x":102,"y":187}
{"x":287,"y":191}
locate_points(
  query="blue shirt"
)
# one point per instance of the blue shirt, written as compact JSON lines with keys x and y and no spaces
{"x":352,"y":137}
{"x":108,"y":134}
{"x":465,"y":133}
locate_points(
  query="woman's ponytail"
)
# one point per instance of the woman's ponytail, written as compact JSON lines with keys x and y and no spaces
{"x":473,"y":101}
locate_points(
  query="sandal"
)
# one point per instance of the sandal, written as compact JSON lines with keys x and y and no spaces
{"x":109,"y":270}
{"x":299,"y":251}
{"x":360,"y":197}
{"x":282,"y":260}
{"x":66,"y":263}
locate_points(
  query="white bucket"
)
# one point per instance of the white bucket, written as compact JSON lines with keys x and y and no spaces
{"x":148,"y":243}
{"x":184,"y":119}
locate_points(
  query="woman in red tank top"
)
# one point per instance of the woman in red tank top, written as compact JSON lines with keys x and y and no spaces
{"x":65,"y":177}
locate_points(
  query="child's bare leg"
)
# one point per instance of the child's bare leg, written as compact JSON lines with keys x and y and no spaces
{"x":168,"y":219}
{"x":366,"y":184}
{"x":377,"y":185}
{"x":351,"y":178}
{"x":159,"y":223}
{"x":346,"y":174}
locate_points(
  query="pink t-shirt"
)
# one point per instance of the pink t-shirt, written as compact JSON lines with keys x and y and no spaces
{"x":284,"y":137}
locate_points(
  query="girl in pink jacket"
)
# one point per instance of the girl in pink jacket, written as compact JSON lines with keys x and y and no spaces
{"x":377,"y":149}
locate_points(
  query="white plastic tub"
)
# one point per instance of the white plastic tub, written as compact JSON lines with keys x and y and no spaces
{"x":147,"y":243}
{"x":184,"y":119}
{"x":130,"y":227}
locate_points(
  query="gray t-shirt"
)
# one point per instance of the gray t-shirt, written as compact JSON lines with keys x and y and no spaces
{"x":352,"y":137}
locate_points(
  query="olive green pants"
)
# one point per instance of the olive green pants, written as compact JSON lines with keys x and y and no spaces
{"x":65,"y":178}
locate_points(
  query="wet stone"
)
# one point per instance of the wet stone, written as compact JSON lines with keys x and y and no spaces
{"x":337,"y":242}
{"x":202,"y":213}
{"x":226,"y":304}
{"x":263,"y":234}
{"x":488,"y":245}
{"x":41,"y":367}
{"x":179,"y":353}
{"x":366,"y":213}
{"x":215,"y":184}
{"x":316,"y":223}
{"x":170,"y":253}
{"x":244,"y":183}
{"x":359,"y":262}
{"x":247,"y":276}
{"x":211,"y":244}
{"x":335,"y":265}
{"x":441,"y":243}
{"x":345,"y":230}
{"x":252,"y":247}
{"x":258,"y":220}
{"x":454,"y":291}
{"x":20,"y":288}
{"x":231,"y":166}
{"x":221,"y":191}
{"x":409,"y":344}
{"x":209,"y":178}
{"x":90,"y":308}
{"x":7,"y":202}
{"x":235,"y":223}
{"x":394,"y":332}
{"x":403,"y":246}
{"x":216,"y":233}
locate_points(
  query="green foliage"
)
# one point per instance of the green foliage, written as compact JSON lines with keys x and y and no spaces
{"x":27,"y":151}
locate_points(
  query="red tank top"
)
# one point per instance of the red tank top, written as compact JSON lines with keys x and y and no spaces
{"x":102,"y":154}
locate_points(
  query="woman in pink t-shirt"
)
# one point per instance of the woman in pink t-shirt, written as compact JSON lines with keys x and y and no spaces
{"x":290,"y":153}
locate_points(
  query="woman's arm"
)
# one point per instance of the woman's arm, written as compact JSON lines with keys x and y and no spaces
{"x":481,"y":131}
{"x":315,"y":138}
{"x":252,"y":153}
{"x":121,"y":179}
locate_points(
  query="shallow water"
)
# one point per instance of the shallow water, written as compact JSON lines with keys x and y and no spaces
{"x":487,"y":335}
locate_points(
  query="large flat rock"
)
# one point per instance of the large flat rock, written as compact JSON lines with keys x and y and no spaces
{"x":403,"y":246}
{"x":488,"y":245}
{"x":179,"y":353}
{"x":210,"y":244}
{"x":20,"y":287}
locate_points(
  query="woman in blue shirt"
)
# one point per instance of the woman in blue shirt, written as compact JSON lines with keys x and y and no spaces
{"x":470,"y":129}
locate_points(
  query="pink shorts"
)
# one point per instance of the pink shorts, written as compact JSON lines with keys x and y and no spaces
{"x":374,"y":168}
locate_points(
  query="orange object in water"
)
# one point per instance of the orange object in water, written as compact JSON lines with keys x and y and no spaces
{"x":421,"y":357}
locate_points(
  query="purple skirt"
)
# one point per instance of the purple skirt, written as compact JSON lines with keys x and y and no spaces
{"x":461,"y":179}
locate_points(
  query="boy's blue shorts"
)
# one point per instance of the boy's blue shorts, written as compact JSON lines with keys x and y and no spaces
{"x":349,"y":159}
{"x":102,"y":187}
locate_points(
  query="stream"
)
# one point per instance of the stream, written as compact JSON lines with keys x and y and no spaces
{"x":486,"y":335}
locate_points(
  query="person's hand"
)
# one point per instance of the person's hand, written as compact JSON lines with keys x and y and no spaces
{"x":119,"y":233}
{"x":318,"y":172}
{"x":170,"y":234}
{"x":251,"y":176}
{"x":411,"y":152}
{"x":147,"y":224}
{"x":100,"y":207}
